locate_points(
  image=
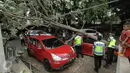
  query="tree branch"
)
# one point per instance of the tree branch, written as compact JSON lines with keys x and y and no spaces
{"x":50,"y":22}
{"x":43,"y":8}
{"x":34,"y":8}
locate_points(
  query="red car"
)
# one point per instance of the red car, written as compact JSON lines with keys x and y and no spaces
{"x":52,"y":52}
{"x":87,"y":46}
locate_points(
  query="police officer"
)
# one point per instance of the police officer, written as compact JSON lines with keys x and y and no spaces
{"x":110,"y":51}
{"x":78,"y":45}
{"x":98,"y":51}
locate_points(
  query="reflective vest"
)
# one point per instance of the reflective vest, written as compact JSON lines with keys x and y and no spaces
{"x":112,"y":43}
{"x":78,"y":40}
{"x":99,"y":48}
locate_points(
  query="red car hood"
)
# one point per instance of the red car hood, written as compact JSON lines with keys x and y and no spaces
{"x":62,"y":50}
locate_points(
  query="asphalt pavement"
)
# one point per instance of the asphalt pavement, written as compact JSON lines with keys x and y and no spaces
{"x":80,"y":65}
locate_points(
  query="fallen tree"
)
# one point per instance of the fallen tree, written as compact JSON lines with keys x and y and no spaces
{"x":68,"y":28}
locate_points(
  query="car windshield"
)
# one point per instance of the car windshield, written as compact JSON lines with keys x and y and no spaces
{"x":52,"y":43}
{"x":88,"y":40}
{"x":35,"y":32}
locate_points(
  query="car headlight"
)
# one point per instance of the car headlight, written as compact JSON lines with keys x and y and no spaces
{"x":65,"y":57}
{"x":56,"y":58}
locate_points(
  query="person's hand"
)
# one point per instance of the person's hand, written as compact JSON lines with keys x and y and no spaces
{"x":128,"y":45}
{"x":123,"y":43}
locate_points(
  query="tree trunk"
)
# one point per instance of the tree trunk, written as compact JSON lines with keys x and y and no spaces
{"x":70,"y":28}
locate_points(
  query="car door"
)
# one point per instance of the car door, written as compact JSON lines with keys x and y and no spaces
{"x":31,"y":46}
{"x":87,"y":46}
{"x":39,"y":51}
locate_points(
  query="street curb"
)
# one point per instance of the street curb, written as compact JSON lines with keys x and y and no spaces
{"x":123,"y":65}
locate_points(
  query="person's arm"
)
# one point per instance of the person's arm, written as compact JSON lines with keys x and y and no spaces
{"x":104,"y":51}
{"x":120,"y":39}
{"x":93,"y":48}
{"x":108,"y":39}
{"x":125,"y":41}
{"x":128,"y":42}
{"x":127,"y":37}
{"x":82,"y":39}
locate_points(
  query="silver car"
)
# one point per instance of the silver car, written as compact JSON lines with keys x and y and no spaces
{"x":92,"y":32}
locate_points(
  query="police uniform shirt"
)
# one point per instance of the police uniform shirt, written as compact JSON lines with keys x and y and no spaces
{"x":98,"y":43}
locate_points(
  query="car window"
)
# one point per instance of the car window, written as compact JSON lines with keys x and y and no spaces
{"x":88,"y":40}
{"x":32,"y":41}
{"x":39,"y":45}
{"x":52,"y":43}
{"x":90,"y":31}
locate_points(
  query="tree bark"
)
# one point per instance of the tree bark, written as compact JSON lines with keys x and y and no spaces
{"x":70,"y":28}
